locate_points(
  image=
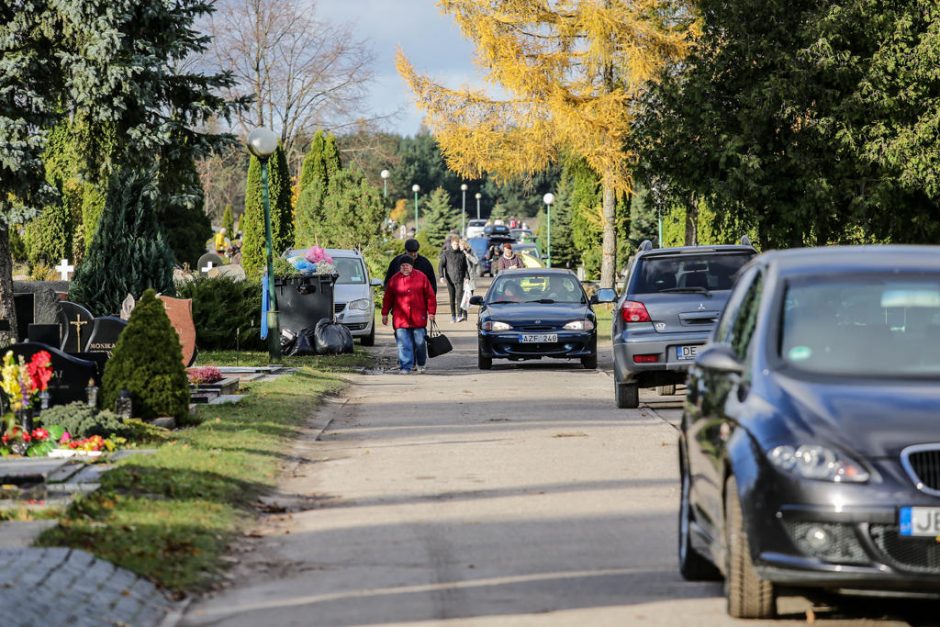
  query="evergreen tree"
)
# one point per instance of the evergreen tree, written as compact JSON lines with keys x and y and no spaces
{"x":180,"y":211}
{"x":128,"y":254}
{"x":354,"y":212}
{"x":252,"y":220}
{"x":313,"y":167}
{"x":148,"y":362}
{"x":439,"y":218}
{"x":228,"y":221}
{"x":48,"y":238}
{"x":586,"y":213}
{"x":321,"y":163}
{"x":564,"y":253}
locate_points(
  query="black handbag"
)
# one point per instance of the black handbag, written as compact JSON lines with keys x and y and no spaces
{"x":438,"y":344}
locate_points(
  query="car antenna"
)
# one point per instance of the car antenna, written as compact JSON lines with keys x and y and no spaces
{"x":646,"y":245}
{"x":745,"y":240}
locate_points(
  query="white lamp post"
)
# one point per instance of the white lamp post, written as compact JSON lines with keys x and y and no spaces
{"x":478,"y":197}
{"x":463,"y":210}
{"x":262,"y":143}
{"x":416,"y":188}
{"x":385,"y":174}
{"x":548,"y":199}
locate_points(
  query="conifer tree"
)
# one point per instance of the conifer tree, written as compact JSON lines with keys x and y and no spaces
{"x":564,"y":253}
{"x":180,"y":210}
{"x":353,"y":212}
{"x":228,"y":221}
{"x":128,"y":254}
{"x":147,"y":361}
{"x":252,"y":220}
{"x":321,"y":163}
{"x":48,"y":238}
{"x":439,"y":217}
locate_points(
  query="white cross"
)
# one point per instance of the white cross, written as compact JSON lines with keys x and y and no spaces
{"x":65,"y":269}
{"x":208,"y":267}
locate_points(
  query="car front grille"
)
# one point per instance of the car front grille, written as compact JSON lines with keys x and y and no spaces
{"x":537,"y":328}
{"x":918,"y":555}
{"x":922,"y":463}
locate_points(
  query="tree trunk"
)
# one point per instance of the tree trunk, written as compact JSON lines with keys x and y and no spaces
{"x":691,"y":223}
{"x":609,"y":260}
{"x":7,"y":310}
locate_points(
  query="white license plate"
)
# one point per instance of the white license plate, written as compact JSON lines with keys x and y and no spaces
{"x":916,"y":522}
{"x":544,"y":338}
{"x":686,"y":353}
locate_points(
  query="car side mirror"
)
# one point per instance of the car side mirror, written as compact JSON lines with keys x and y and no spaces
{"x":375,"y":282}
{"x":719,"y":358}
{"x":476,"y":300}
{"x":605,"y":295}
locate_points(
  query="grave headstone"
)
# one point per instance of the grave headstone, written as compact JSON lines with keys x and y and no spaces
{"x":23,"y":303}
{"x":209,"y":261}
{"x":180,"y":312}
{"x":45,"y":334}
{"x":104,"y":335}
{"x":77,"y":324}
{"x":70,"y":375}
{"x":46,"y":306}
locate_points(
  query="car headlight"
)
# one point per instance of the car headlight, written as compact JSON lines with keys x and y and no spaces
{"x":362,"y":304}
{"x":493,"y":325}
{"x":811,"y":461}
{"x":580,"y":325}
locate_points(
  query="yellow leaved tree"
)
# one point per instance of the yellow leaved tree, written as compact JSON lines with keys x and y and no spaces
{"x":571,"y":69}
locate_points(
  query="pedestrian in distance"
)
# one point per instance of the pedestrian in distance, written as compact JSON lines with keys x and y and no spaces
{"x":473,"y":268}
{"x":418,"y":262}
{"x":454,"y":270}
{"x":411,"y":300}
{"x":507,"y":261}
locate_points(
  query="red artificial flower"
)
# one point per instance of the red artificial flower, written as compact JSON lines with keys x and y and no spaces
{"x":5,"y":438}
{"x":27,"y":437}
{"x":40,"y":371}
{"x":40,"y":434}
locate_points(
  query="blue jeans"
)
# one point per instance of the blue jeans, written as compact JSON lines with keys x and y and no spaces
{"x":411,"y":346}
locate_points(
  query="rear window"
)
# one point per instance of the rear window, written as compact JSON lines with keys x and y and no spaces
{"x":678,"y":273}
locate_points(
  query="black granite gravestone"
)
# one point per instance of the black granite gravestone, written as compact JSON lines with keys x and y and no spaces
{"x":104,"y":335}
{"x":70,"y":375}
{"x":23,"y":303}
{"x":50,"y":334}
{"x":77,"y":323}
{"x":209,"y":261}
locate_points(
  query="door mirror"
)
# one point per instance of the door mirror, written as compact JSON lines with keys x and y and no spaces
{"x":476,"y":300}
{"x":375,"y":282}
{"x":605,"y":295}
{"x":719,"y":358}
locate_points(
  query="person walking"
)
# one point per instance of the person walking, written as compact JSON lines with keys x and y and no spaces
{"x":418,"y":262}
{"x":507,"y":261}
{"x":454,"y":271}
{"x":411,"y":300}
{"x":473,"y":270}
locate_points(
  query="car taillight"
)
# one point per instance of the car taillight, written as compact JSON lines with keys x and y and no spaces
{"x":646,"y":359}
{"x":632,"y":311}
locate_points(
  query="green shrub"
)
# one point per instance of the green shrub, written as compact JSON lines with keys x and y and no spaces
{"x":223,"y":307}
{"x":148,"y":362}
{"x":81,"y":421}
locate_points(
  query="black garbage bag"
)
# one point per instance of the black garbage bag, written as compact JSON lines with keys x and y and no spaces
{"x":332,"y":338}
{"x":305,"y":344}
{"x":288,"y":341}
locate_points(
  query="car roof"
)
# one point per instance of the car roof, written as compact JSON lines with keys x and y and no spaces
{"x":690,"y":250}
{"x":538,"y":272}
{"x":831,"y":259}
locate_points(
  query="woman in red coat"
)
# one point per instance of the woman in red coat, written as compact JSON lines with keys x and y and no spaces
{"x":411,"y":300}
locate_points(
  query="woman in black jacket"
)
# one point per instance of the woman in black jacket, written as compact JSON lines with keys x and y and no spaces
{"x":454,"y":271}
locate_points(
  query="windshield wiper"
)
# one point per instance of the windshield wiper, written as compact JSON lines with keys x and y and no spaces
{"x":503,"y":302}
{"x":687,"y":290}
{"x":542,"y":301}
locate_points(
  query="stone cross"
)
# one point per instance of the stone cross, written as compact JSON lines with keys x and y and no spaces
{"x":65,"y":269}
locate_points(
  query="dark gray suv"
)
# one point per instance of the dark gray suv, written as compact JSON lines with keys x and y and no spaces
{"x":667,"y":311}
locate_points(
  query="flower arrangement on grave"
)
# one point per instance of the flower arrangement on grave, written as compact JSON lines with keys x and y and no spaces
{"x":36,"y":443}
{"x":22,"y":382}
{"x":204,"y":374}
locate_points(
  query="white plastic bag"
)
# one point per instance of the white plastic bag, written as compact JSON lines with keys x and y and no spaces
{"x":465,"y":301}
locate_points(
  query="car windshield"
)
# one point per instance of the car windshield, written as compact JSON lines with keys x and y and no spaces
{"x":863,"y":326}
{"x":351,"y":271}
{"x":536,"y":288}
{"x":689,"y":273}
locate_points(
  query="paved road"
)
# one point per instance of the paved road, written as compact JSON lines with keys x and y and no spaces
{"x":517,"y":496}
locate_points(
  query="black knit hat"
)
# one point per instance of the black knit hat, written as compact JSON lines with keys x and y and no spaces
{"x":412,"y":245}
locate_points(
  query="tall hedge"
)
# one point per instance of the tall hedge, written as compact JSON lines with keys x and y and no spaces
{"x":148,"y":362}
{"x":321,"y":164}
{"x":226,"y":312}
{"x":181,"y":215}
{"x":128,"y":254}
{"x":252,"y":220}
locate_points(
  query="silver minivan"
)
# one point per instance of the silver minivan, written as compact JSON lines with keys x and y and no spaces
{"x":353,"y":300}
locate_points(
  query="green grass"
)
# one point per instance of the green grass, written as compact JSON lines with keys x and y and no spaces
{"x":604,"y":315}
{"x":326,"y":363}
{"x":171,"y":516}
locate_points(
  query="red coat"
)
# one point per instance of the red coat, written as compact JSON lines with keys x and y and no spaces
{"x":410,"y":299}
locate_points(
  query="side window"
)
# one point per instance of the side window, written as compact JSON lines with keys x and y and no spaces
{"x":733,"y":308}
{"x":746,"y":321}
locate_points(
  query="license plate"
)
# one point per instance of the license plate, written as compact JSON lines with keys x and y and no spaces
{"x":916,"y":522}
{"x":545,"y":338}
{"x":686,"y":353}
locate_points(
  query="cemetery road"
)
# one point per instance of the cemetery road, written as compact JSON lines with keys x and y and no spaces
{"x":516,"y":496}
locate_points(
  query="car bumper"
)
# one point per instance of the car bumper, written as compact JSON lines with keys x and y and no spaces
{"x":648,"y":342}
{"x":508,"y":345}
{"x":358,"y":323}
{"x":868,"y":553}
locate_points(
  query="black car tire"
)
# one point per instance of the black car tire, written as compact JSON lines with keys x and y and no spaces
{"x":666,"y":390}
{"x":485,"y":363}
{"x":589,"y":363}
{"x":626,"y":395}
{"x":368,"y":340}
{"x":748,"y":595}
{"x":692,"y":566}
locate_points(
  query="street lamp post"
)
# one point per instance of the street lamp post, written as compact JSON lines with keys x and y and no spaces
{"x":385,"y":174}
{"x":262,"y":143}
{"x":478,"y":197}
{"x":416,"y":188}
{"x":463,"y":211}
{"x":548,"y":199}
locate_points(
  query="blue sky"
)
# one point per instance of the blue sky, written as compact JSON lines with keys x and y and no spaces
{"x":430,"y":39}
